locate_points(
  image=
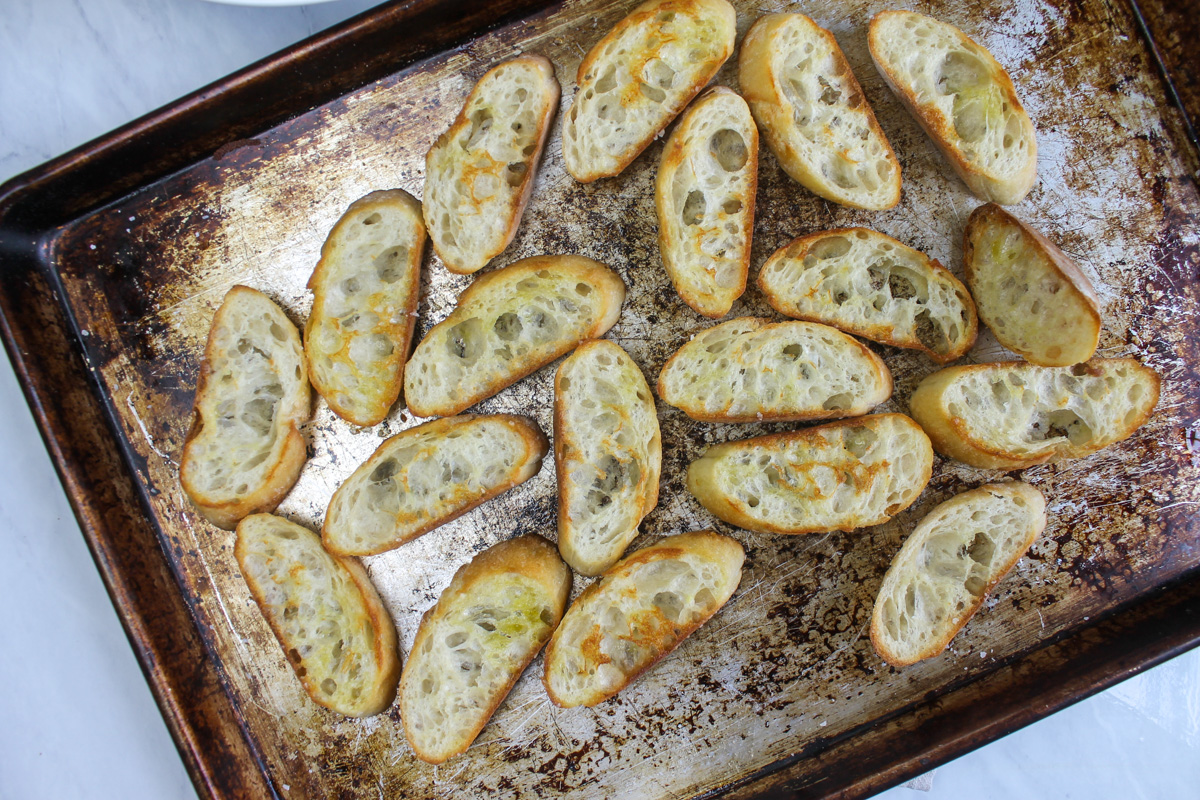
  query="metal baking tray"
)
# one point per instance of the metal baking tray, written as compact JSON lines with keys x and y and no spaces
{"x":114,"y":257}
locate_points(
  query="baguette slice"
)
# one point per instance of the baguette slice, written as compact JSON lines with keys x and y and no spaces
{"x":945,"y":569}
{"x":963,"y":99}
{"x":325,"y":613}
{"x":639,"y":77}
{"x":507,"y":324}
{"x":365,"y":290}
{"x":752,"y":370}
{"x":704,"y":194}
{"x":489,"y":623}
{"x":1014,"y":415}
{"x":245,"y":451}
{"x":479,"y":174}
{"x":871,"y":285}
{"x":813,"y":113}
{"x":834,"y":477}
{"x":637,"y":612}
{"x":428,"y":475}
{"x":1035,"y":299}
{"x":607,"y":454}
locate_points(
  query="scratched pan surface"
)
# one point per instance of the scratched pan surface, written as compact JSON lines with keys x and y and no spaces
{"x":786,"y":665}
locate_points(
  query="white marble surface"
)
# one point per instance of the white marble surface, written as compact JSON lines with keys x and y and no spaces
{"x":76,"y":717}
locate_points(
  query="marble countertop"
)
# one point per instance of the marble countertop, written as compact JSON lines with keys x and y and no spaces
{"x":76,"y":717}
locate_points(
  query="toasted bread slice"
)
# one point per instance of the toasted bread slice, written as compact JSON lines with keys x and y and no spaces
{"x":639,"y":77}
{"x":507,"y":324}
{"x":245,"y":451}
{"x":871,"y":285}
{"x":365,"y":290}
{"x":637,"y":612}
{"x":428,"y":475}
{"x":325,"y":613}
{"x":949,"y":563}
{"x":834,"y":477}
{"x":1013,"y":415}
{"x":607,"y":454}
{"x":704,"y":194}
{"x":479,"y":174}
{"x":963,"y":99}
{"x":813,"y":114}
{"x":489,"y":623}
{"x":752,"y":370}
{"x":1034,"y":298}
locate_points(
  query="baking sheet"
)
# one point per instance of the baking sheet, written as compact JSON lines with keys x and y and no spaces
{"x":786,"y":665}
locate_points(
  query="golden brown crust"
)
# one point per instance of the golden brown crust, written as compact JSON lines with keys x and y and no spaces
{"x":1014,"y":488}
{"x":1073,"y":278}
{"x":586,"y":270}
{"x":645,"y":14}
{"x":398,"y":327}
{"x":516,"y":208}
{"x":530,"y":556}
{"x":537,"y":446}
{"x":762,"y":323}
{"x":761,"y":87}
{"x":386,"y":645}
{"x":884,"y":334}
{"x":673,"y":156}
{"x":941,"y":129}
{"x":651,"y":470}
{"x":952,"y":437}
{"x":733,"y":510}
{"x":655,"y":633}
{"x":286,"y":470}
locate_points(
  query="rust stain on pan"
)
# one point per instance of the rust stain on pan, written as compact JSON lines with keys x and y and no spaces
{"x":786,"y":667}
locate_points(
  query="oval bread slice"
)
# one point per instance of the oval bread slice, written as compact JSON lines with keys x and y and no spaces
{"x":489,"y":623}
{"x":639,"y":77}
{"x":479,"y":174}
{"x":365,"y":290}
{"x":963,"y":99}
{"x":813,"y":114}
{"x":507,"y":324}
{"x":949,"y":563}
{"x":1013,"y":415}
{"x":637,"y":612}
{"x":704,"y":194}
{"x":752,"y":370}
{"x":607,"y":454}
{"x":871,"y":285}
{"x":1037,"y":301}
{"x":325,"y":613}
{"x":428,"y":475}
{"x":834,"y":477}
{"x":244,"y":450}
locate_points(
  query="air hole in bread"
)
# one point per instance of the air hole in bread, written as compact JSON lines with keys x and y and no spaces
{"x":857,"y":441}
{"x":829,"y":95}
{"x":729,"y":149}
{"x":652,"y":93}
{"x":930,"y":333}
{"x":508,"y":326}
{"x":693,"y":207}
{"x":731,"y":206}
{"x":1062,"y":423}
{"x":515,"y":173}
{"x":837,"y":401}
{"x":481,"y":123}
{"x":465,"y":340}
{"x":373,"y":219}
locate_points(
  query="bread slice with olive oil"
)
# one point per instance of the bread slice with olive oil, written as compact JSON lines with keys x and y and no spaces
{"x":490,"y":622}
{"x":428,"y":475}
{"x":324,"y":611}
{"x":507,"y":324}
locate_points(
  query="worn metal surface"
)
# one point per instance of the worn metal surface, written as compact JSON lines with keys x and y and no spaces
{"x":786,"y":666}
